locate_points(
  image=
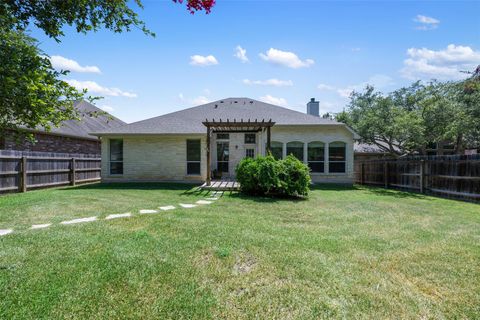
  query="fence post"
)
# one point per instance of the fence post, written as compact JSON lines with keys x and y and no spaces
{"x":23,"y":171}
{"x":385,"y":174}
{"x":362,"y":173}
{"x":72,"y":171}
{"x":422,"y":176}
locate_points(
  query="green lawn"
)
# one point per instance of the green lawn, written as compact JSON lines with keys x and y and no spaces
{"x":343,"y":253}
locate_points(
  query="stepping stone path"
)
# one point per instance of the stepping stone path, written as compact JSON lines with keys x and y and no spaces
{"x":213,"y":197}
{"x":40,"y":226}
{"x":4,"y":232}
{"x":187,"y":205}
{"x":203,"y":202}
{"x":119,"y":215}
{"x":89,"y":219}
{"x":166,"y":208}
{"x":144,"y":211}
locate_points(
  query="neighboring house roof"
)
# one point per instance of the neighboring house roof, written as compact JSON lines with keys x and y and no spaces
{"x":359,"y":147}
{"x":190,"y":120}
{"x":362,"y":147}
{"x":87,"y":124}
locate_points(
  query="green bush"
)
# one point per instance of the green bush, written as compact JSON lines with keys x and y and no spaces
{"x":265,"y":175}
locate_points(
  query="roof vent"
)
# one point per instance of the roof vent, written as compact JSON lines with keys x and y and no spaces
{"x":251,"y":101}
{"x":221,"y":101}
{"x":235,"y":101}
{"x":216,"y":106}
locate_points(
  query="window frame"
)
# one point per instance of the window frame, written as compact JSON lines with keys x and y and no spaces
{"x":199,"y":162}
{"x":279,"y":145}
{"x":249,"y":156}
{"x":316,"y":161}
{"x":110,"y":161}
{"x":337,"y":161}
{"x":250,"y":135}
{"x":226,"y":136}
{"x":303,"y":149}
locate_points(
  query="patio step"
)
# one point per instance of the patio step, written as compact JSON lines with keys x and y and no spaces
{"x":219,"y":185}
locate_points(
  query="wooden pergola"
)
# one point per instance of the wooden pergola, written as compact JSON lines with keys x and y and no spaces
{"x":214,"y":126}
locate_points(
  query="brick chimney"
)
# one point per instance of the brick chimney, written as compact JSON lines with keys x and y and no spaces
{"x":313,"y":107}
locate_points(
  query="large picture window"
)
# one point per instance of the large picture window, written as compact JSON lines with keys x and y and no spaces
{"x":116,"y":156}
{"x":295,"y":148}
{"x":337,"y":157}
{"x":316,"y":156}
{"x":193,"y":157}
{"x":276,"y":148}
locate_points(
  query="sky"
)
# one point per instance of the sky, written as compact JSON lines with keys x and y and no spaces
{"x":281,"y":52}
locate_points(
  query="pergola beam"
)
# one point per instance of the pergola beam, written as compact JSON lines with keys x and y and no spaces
{"x":214,"y":126}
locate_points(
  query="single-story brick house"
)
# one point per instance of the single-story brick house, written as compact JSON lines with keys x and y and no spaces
{"x":209,"y":140}
{"x":73,"y":136}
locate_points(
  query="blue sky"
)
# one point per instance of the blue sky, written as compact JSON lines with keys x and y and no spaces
{"x":295,"y":50}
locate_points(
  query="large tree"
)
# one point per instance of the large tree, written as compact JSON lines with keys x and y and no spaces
{"x":406,"y":120}
{"x":32,"y":92}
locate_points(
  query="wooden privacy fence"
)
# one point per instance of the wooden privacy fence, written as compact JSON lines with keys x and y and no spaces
{"x":21,"y":171}
{"x":449,"y":176}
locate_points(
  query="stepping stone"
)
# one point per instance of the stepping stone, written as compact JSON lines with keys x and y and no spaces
{"x":89,"y":219}
{"x":187,"y":205}
{"x":119,"y":215}
{"x":4,"y":232}
{"x":40,"y":226}
{"x":148,"y":211}
{"x":167,"y":208}
{"x":211,"y":199}
{"x":203,"y":202}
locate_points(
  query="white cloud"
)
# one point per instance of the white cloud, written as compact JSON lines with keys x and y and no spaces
{"x":377,"y":80}
{"x":194,"y":101}
{"x":241,"y":54}
{"x":285,"y":58}
{"x":62,"y":63}
{"x":107,"y":108}
{"x":426,"y":23}
{"x":94,"y":87}
{"x":274,"y":100}
{"x":325,"y":87}
{"x":269,"y":82}
{"x":203,"y":61}
{"x":445,"y":64}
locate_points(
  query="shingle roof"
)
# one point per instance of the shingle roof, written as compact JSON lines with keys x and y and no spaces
{"x":190,"y":120}
{"x":87,"y":124}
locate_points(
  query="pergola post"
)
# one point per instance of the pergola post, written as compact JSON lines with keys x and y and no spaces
{"x":268,"y":140}
{"x":209,"y":178}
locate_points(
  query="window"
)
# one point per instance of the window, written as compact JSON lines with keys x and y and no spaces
{"x":250,"y":137}
{"x":295,"y":148}
{"x":193,"y":157}
{"x":250,"y":153}
{"x":223,"y":136}
{"x":116,"y":156}
{"x":336,"y":157}
{"x":276,"y":148}
{"x":223,"y":156}
{"x":316,"y":156}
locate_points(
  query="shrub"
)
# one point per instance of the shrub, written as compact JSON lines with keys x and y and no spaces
{"x":265,"y":175}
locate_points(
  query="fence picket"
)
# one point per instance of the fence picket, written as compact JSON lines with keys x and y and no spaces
{"x":24,"y":170}
{"x":455,"y":176}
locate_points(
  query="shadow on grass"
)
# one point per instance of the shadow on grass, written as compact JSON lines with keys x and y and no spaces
{"x":395,"y":193}
{"x":334,"y":187}
{"x":135,"y":186}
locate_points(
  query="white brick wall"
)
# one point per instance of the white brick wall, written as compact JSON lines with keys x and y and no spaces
{"x":154,"y":158}
{"x":163,"y":157}
{"x":326,"y":134}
